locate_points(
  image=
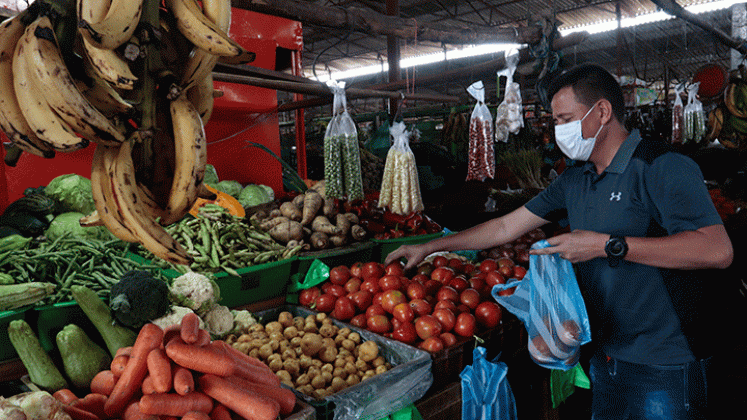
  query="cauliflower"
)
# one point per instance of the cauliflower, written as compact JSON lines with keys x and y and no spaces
{"x":242,"y":320}
{"x":195,"y":291}
{"x":174,"y":317}
{"x":218,"y":321}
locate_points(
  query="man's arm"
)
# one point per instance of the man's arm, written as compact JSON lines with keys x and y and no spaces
{"x":483,"y":236}
{"x":707,"y":247}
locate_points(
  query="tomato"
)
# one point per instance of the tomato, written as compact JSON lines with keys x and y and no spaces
{"x":432,"y":345}
{"x":420,"y":278}
{"x":443,"y":274}
{"x":468,"y":268}
{"x":372,"y":270}
{"x":465,"y":325}
{"x":456,"y":264}
{"x":344,"y":308}
{"x":378,"y":324}
{"x":459,"y":283}
{"x":325,"y":303}
{"x":358,"y":321}
{"x":339,"y":275}
{"x":425,"y":269}
{"x":522,"y":256}
{"x":488,"y":314}
{"x":488,"y":265}
{"x":375,"y":310}
{"x":392,"y":298}
{"x":356,"y":270}
{"x":507,"y":292}
{"x":362,"y":299}
{"x":445,"y":304}
{"x":493,"y":278}
{"x":440,"y":261}
{"x":353,"y":285}
{"x":336,"y":290}
{"x":505,"y":261}
{"x":446,"y":317}
{"x":477,"y":282}
{"x":447,"y":293}
{"x":395,"y":268}
{"x":427,"y":326}
{"x":377,"y":297}
{"x":462,"y":308}
{"x":519,"y":272}
{"x":371,"y":285}
{"x":405,"y":333}
{"x":448,"y":338}
{"x":432,"y":286}
{"x":415,"y":291}
{"x":403,"y":312}
{"x":506,"y":271}
{"x":390,"y":282}
{"x":308,"y":296}
{"x":470,"y":297}
{"x":421,"y":307}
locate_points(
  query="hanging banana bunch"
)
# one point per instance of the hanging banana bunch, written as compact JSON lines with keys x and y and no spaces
{"x":131,"y":77}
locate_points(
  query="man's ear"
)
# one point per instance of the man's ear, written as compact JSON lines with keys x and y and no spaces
{"x":606,"y":107}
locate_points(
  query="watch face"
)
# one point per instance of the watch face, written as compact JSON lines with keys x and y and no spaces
{"x":617,"y":247}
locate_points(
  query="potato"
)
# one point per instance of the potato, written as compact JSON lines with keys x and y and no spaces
{"x":338,"y":384}
{"x":328,"y":330}
{"x":285,"y":319}
{"x":285,"y":377}
{"x":378,"y":361}
{"x":348,"y":344}
{"x":344,"y":332}
{"x":311,"y":344}
{"x":266,"y":350}
{"x":328,"y":354}
{"x":353,"y":380}
{"x":288,"y":354}
{"x":291,"y":366}
{"x":276,"y":365}
{"x":290,"y":332}
{"x":318,"y":382}
{"x":301,"y":380}
{"x":368,"y":351}
{"x":355,"y":337}
{"x":339,"y":372}
{"x":381,"y":369}
{"x":304,"y":361}
{"x":327,"y":376}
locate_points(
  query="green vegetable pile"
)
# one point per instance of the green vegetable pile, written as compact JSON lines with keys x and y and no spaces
{"x":68,"y":261}
{"x":219,"y":241}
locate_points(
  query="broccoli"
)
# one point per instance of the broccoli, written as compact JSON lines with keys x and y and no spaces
{"x":138,"y":298}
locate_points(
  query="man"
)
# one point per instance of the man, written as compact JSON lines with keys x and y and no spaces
{"x":641,"y":225}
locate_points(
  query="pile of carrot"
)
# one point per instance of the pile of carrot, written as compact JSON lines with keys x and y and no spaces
{"x":179,"y":373}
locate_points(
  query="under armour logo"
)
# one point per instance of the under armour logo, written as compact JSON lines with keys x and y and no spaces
{"x":617,"y":196}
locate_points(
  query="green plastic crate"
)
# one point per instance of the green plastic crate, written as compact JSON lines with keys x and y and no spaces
{"x":346,"y":255}
{"x":385,"y":246}
{"x":7,"y":351}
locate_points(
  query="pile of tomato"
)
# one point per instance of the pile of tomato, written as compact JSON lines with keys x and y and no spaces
{"x":443,"y":300}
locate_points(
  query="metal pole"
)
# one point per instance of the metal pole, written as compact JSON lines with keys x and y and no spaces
{"x":393,"y":56}
{"x":300,"y":123}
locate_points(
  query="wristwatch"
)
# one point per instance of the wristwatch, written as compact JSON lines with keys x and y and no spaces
{"x":616,"y":249}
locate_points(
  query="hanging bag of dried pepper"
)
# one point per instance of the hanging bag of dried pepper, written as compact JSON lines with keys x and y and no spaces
{"x":342,"y":162}
{"x":481,"y":161}
{"x":678,"y":115}
{"x":400,"y":186}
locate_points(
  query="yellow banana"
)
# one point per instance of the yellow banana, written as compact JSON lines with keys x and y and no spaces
{"x":116,"y":27}
{"x":205,"y":34}
{"x":109,"y":66}
{"x":46,"y":124}
{"x":49,"y":70}
{"x":201,"y":96}
{"x":12,"y":121}
{"x":129,"y":198}
{"x":93,"y":11}
{"x":102,"y":96}
{"x":201,"y":63}
{"x":91,"y":220}
{"x":191,"y":150}
{"x":103,"y":198}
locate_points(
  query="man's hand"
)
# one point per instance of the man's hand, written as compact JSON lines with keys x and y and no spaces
{"x":577,"y":246}
{"x":412,"y":253}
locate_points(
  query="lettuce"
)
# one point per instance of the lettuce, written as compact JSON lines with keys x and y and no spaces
{"x":72,"y":192}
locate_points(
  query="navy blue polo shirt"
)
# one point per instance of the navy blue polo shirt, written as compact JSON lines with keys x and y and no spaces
{"x":646,"y":191}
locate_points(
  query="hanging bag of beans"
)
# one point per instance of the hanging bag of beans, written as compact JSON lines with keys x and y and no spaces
{"x":400,"y":186}
{"x":481,"y":160}
{"x":342,"y":161}
{"x":508,"y":117}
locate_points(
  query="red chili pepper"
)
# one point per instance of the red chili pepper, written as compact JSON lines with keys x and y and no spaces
{"x":373,"y":226}
{"x":383,"y":236}
{"x":397,"y":233}
{"x":394,"y":220}
{"x":429,"y":225}
{"x":414,"y":221}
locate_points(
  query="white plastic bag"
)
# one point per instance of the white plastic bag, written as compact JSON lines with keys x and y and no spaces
{"x":342,"y":162}
{"x":694,"y":116}
{"x":509,"y":117}
{"x":400,"y":186}
{"x":678,"y":115}
{"x":481,"y":161}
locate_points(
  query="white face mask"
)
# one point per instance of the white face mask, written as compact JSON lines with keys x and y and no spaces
{"x":571,"y":141}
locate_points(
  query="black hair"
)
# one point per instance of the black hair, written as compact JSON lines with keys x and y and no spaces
{"x":590,"y":83}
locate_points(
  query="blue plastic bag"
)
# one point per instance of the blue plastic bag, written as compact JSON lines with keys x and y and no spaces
{"x":485,"y":390}
{"x":549,"y":303}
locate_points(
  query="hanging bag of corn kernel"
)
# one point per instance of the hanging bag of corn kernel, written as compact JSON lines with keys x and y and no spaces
{"x":400,"y":186}
{"x":481,"y":160}
{"x":342,"y":161}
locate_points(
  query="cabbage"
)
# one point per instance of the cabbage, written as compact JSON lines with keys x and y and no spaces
{"x":253,"y":195}
{"x":211,"y":175}
{"x":72,"y":192}
{"x":270,"y":192}
{"x":230,"y":187}
{"x":69,"y":224}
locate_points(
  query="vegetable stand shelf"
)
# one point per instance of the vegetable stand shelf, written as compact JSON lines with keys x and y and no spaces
{"x":385,"y":246}
{"x":346,"y":255}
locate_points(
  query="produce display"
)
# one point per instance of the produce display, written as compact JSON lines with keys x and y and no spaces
{"x":90,"y":71}
{"x":446,"y":299}
{"x":400,"y":187}
{"x":311,"y":354}
{"x":384,"y":224}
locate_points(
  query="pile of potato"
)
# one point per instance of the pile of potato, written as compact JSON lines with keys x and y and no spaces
{"x":310,"y":219}
{"x":312,"y":354}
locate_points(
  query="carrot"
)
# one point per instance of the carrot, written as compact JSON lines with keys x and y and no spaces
{"x":195,"y":415}
{"x":147,"y":386}
{"x":149,"y":338}
{"x":132,"y":412}
{"x":245,"y":403}
{"x":118,"y":364}
{"x":285,"y":397}
{"x":103,"y":382}
{"x":93,"y":403}
{"x":244,"y":369}
{"x":170,"y":332}
{"x":123,"y":351}
{"x":205,"y":359}
{"x":220,"y":412}
{"x":184,"y":382}
{"x":78,"y":413}
{"x":190,"y":327}
{"x":239,"y":356}
{"x":175,"y":404}
{"x":65,"y":396}
{"x":203,"y":338}
{"x":159,"y":369}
